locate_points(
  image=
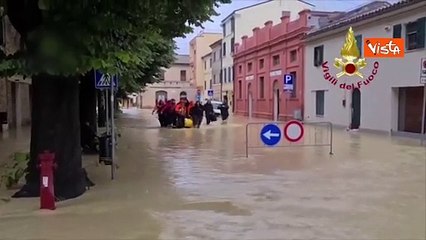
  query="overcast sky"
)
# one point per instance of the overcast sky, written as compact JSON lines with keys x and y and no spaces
{"x":226,"y":9}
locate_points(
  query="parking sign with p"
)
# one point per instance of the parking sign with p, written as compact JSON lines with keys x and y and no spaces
{"x":288,"y":82}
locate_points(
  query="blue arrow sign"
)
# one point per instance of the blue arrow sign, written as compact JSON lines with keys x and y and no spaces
{"x":103,"y":81}
{"x":210,"y":92}
{"x":270,"y":134}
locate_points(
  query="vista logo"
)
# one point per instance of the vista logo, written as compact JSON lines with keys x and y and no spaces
{"x":384,"y":48}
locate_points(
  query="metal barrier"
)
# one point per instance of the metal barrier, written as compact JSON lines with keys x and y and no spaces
{"x":316,"y":134}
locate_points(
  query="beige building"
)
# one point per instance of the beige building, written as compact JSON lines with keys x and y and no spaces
{"x":14,"y":91}
{"x":207,"y":67}
{"x":199,"y":46}
{"x":173,"y":80}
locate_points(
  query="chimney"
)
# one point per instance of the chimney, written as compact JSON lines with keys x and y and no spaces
{"x":303,"y":17}
{"x":285,"y":16}
{"x":268,"y":24}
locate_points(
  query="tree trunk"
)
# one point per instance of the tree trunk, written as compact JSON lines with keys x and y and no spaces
{"x":101,"y":108}
{"x":87,"y":109}
{"x":56,"y":128}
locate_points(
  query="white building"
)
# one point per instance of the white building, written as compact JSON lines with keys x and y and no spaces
{"x":392,"y":102}
{"x":241,"y":22}
{"x":173,"y":80}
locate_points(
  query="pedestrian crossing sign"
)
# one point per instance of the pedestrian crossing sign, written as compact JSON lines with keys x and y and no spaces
{"x":103,"y":81}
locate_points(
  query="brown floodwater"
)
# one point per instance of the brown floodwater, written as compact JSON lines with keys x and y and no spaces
{"x":198,"y":184}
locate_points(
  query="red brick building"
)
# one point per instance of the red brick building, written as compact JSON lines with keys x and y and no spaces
{"x":261,"y":61}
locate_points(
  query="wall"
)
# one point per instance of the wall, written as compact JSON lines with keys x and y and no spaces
{"x":173,"y":73}
{"x":207,"y":73}
{"x":245,"y":22}
{"x":379,"y":102}
{"x":200,"y":46}
{"x":216,"y":67}
{"x":267,"y":42}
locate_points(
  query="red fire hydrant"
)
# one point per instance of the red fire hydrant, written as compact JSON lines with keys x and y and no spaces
{"x":47,"y":190}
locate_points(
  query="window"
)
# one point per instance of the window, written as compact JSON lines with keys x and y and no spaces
{"x":319,"y":102}
{"x":240,"y":69}
{"x":262,"y":87}
{"x":358,"y":39}
{"x":415,"y":34}
{"x":224,"y":49}
{"x":183,"y":75}
{"x":232,"y":45}
{"x":318,"y":55}
{"x":293,"y":55}
{"x":276,"y":60}
{"x":249,"y":67}
{"x":229,"y":75}
{"x":214,"y":79}
{"x":210,"y":63}
{"x":224,"y":75}
{"x":293,"y":93}
{"x":232,"y":24}
{"x":210,"y":84}
{"x":214,"y":57}
{"x":397,"y":31}
{"x":205,"y":85}
{"x":240,"y":91}
{"x":205,"y":64}
{"x":261,"y":63}
{"x":224,"y":29}
{"x":220,"y":76}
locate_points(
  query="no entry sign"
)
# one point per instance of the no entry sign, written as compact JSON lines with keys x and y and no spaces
{"x":293,"y":131}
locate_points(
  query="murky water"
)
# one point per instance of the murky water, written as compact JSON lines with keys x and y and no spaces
{"x":198,"y":184}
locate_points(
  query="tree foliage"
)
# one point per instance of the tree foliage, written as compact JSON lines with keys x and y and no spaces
{"x":131,"y":38}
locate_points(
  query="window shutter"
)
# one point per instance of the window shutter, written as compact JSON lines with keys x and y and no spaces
{"x":397,"y":31}
{"x":421,"y":28}
{"x":359,"y":44}
{"x":321,"y":55}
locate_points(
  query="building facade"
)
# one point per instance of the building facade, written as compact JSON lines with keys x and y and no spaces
{"x":207,"y":80}
{"x":216,"y":56}
{"x":262,"y":60}
{"x":241,"y":22}
{"x":173,"y":80}
{"x":198,"y":47}
{"x":15,"y":101}
{"x":389,"y":95}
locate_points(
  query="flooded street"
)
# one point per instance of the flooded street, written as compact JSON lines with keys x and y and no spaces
{"x":198,"y":184}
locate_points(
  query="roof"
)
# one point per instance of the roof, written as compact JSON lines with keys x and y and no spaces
{"x":254,"y":5}
{"x":365,"y":15}
{"x":208,"y":54}
{"x":181,"y":59}
{"x":218,"y":42}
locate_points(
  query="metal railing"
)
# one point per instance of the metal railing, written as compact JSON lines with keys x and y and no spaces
{"x":316,"y":134}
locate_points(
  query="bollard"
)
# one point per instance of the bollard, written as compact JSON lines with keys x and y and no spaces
{"x":47,"y":190}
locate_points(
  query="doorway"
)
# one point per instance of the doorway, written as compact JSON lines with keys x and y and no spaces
{"x":356,"y":109}
{"x":160,"y":95}
{"x":276,"y":110}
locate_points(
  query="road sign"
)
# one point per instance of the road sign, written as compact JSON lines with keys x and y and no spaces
{"x":293,"y":131}
{"x":103,"y":81}
{"x":210,"y":92}
{"x":270,"y":134}
{"x":288,"y":82}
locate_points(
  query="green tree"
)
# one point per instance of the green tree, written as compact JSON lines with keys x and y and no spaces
{"x":65,"y":39}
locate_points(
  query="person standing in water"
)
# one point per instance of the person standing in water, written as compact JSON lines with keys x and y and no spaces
{"x":208,"y":108}
{"x":197,"y":114}
{"x":224,"y":109}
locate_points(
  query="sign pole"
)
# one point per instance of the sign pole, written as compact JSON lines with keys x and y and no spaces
{"x":112,"y":130}
{"x":106,"y":110}
{"x":423,"y":114}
